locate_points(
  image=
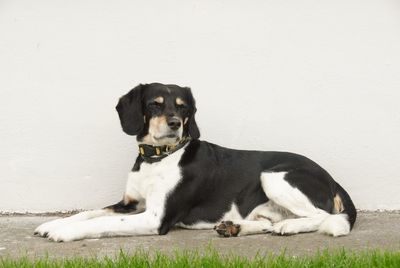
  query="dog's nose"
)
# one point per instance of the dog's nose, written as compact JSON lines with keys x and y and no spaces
{"x":174,"y":123}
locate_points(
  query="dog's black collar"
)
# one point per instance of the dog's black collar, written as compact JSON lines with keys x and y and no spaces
{"x":152,"y":154}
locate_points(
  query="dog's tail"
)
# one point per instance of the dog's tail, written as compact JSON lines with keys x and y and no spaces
{"x":343,"y":216}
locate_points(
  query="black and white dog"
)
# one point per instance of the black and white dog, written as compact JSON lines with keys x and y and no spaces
{"x":179,"y":180}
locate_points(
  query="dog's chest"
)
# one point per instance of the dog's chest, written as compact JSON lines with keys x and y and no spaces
{"x":157,"y":178}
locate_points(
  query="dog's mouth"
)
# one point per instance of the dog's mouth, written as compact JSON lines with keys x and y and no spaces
{"x":168,"y":136}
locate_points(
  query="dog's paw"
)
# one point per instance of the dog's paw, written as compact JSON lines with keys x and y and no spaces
{"x":284,"y":228}
{"x":67,"y":233}
{"x":47,"y":227}
{"x":227,"y":229}
{"x":63,"y":234}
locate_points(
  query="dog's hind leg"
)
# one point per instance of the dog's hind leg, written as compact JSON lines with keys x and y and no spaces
{"x":260,"y":220}
{"x":309,"y":217}
{"x":269,"y":211}
{"x":298,"y":225}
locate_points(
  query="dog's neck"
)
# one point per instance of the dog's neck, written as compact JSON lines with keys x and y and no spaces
{"x":154,"y":153}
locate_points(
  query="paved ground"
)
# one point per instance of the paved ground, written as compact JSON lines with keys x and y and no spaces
{"x":372,"y":230}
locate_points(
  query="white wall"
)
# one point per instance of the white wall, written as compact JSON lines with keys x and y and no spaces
{"x":321,"y":78}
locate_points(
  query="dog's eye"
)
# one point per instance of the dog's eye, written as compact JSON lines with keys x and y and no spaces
{"x":181,"y":106}
{"x":154,"y":105}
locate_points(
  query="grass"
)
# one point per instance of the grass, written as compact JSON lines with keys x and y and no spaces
{"x":210,"y":258}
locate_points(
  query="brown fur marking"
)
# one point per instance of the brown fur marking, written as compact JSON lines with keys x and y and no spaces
{"x":129,"y":200}
{"x":179,"y":101}
{"x":227,"y":229}
{"x":159,"y":100}
{"x":338,"y":204}
{"x":155,"y":122}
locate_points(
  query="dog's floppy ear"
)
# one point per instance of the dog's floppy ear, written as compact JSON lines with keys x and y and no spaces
{"x":193,"y":129}
{"x":130,"y":111}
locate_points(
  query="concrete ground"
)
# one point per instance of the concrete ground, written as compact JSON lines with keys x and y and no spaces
{"x":373,"y":230}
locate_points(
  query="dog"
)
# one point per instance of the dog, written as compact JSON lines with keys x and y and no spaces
{"x":179,"y":180}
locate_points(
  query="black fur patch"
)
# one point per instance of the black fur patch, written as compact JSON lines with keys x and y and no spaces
{"x":121,"y":207}
{"x":214,"y":177}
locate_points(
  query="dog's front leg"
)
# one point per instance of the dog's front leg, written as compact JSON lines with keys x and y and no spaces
{"x":124,"y":206}
{"x":145,"y":223}
{"x":45,"y":228}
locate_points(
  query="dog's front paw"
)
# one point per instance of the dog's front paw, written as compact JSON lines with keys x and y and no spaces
{"x":47,"y":227}
{"x":66,"y":233}
{"x":227,"y":229}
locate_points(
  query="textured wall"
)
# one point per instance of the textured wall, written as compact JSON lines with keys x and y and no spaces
{"x":319,"y":78}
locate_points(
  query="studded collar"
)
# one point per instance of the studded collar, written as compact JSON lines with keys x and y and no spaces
{"x":152,"y":154}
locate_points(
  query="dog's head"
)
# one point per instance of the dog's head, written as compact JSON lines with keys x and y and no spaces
{"x":158,"y":114}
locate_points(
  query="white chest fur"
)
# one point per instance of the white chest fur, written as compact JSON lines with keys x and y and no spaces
{"x":153,"y":182}
{"x":150,"y":186}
